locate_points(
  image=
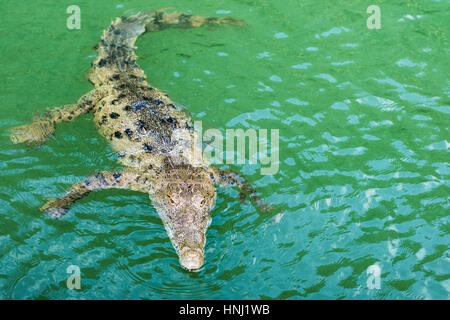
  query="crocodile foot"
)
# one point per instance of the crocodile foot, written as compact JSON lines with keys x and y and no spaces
{"x":54,"y":208}
{"x":34,"y":133}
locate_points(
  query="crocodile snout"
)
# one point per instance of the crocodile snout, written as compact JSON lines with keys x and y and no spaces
{"x":191,"y":259}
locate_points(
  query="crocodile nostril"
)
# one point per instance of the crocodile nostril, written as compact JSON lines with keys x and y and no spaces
{"x":191,"y":259}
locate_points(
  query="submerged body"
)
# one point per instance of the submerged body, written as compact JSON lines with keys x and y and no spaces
{"x":154,"y":139}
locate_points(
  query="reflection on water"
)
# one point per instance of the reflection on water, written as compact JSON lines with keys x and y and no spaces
{"x":363,"y":176}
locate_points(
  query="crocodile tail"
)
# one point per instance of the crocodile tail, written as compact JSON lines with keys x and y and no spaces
{"x":116,"y":50}
{"x":163,"y":20}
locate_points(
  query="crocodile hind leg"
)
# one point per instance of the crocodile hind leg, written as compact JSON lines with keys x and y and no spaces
{"x":124,"y":179}
{"x":43,"y":126}
{"x":230,"y":178}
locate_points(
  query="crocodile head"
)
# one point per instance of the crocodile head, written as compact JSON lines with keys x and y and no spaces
{"x":183,"y":201}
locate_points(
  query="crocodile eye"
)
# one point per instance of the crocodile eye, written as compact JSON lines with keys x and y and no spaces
{"x":202,"y":202}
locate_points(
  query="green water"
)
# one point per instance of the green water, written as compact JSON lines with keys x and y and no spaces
{"x":363,"y":180}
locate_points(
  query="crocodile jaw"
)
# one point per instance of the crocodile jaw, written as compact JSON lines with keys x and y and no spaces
{"x":187,"y":238}
{"x":183,"y":197}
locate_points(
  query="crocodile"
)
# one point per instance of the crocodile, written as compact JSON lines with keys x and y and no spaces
{"x":153,"y":137}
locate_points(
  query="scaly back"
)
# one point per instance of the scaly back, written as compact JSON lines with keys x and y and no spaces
{"x":116,"y":50}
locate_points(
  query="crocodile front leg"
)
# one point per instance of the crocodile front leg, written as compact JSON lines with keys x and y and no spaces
{"x":56,"y":208}
{"x":231,"y":178}
{"x":43,"y":126}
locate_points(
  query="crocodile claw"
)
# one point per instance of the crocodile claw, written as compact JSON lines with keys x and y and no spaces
{"x":54,"y":208}
{"x":56,"y":213}
{"x":34,"y":133}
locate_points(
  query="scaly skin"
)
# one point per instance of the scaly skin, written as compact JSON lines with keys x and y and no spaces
{"x":153,"y":138}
